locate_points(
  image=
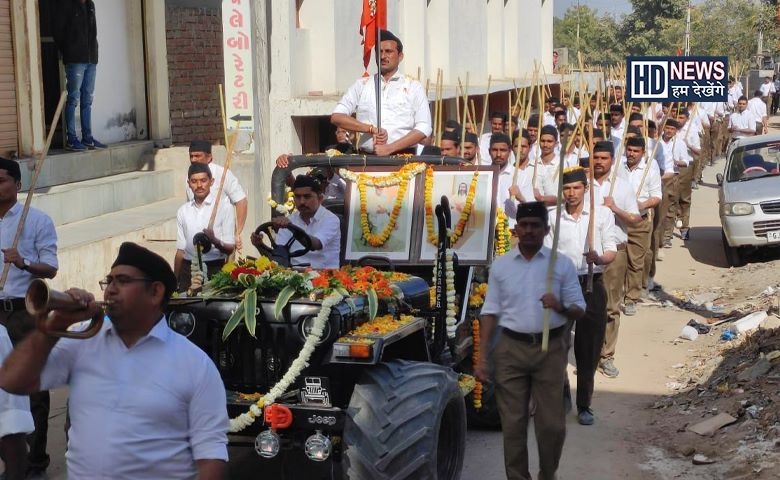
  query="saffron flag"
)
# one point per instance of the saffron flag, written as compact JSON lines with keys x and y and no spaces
{"x":374,"y":12}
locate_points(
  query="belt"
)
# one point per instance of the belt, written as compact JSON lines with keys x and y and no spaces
{"x":584,"y":278}
{"x":533,"y":338}
{"x":12,"y":304}
{"x":621,"y":246}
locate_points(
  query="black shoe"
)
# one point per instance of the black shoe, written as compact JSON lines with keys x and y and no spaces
{"x":585,"y":416}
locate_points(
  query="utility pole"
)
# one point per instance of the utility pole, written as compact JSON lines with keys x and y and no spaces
{"x":688,"y":30}
{"x":578,"y":28}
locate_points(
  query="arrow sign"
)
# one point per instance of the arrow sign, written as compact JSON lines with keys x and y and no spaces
{"x":241,"y":118}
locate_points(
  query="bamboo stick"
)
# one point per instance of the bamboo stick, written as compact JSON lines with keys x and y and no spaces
{"x":485,"y":106}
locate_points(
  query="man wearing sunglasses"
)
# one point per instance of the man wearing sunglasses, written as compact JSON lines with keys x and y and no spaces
{"x":144,"y":401}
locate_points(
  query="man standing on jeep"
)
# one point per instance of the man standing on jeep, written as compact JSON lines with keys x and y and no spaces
{"x":319,"y":223}
{"x":406,"y":115}
{"x":522,"y":369}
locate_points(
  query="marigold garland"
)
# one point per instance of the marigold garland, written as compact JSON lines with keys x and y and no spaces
{"x":464,"y":215}
{"x":503,"y":233}
{"x":401,"y":178}
{"x":475,"y":359}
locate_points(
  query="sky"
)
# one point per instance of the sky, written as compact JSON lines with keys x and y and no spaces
{"x":612,"y":6}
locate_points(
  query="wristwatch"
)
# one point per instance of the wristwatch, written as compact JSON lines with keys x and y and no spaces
{"x":26,"y":265}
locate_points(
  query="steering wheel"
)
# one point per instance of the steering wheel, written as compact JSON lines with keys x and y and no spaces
{"x":297,"y":235}
{"x":754,"y":170}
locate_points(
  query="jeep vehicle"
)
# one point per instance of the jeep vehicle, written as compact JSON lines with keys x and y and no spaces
{"x":389,"y":407}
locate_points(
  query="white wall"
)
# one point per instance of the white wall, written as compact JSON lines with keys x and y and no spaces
{"x":119,"y":106}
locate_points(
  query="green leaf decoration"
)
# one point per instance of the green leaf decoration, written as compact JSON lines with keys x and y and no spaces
{"x":351,"y":303}
{"x":233,"y":321}
{"x":250,"y":307}
{"x":373,"y":303}
{"x":343,"y":291}
{"x":282,"y":299}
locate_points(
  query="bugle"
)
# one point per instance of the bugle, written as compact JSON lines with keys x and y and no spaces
{"x":40,"y":300}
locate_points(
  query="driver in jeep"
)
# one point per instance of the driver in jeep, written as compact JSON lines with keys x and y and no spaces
{"x":311,"y":235}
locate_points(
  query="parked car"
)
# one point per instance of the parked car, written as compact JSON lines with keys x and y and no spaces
{"x":749,"y":196}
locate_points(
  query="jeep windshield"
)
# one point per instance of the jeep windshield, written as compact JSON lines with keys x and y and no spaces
{"x":754,"y":161}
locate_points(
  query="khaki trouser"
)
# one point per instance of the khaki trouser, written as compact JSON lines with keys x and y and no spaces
{"x":716,"y":132}
{"x":637,"y":250}
{"x":614,"y":282}
{"x":669,"y":207}
{"x":523,"y":372}
{"x":655,"y":239}
{"x":685,"y":192}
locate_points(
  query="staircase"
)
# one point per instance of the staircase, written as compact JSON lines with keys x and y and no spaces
{"x":100,"y":199}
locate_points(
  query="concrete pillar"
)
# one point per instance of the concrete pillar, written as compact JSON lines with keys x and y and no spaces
{"x":262,"y":166}
{"x":157,"y":72}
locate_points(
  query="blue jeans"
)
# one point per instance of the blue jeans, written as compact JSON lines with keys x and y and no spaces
{"x":81,"y":89}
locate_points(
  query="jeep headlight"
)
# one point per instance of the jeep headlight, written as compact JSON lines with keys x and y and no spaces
{"x":736,"y":209}
{"x":182,"y":323}
{"x":305,"y":326}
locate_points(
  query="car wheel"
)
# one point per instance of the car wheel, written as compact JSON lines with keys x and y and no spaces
{"x":734,"y":255}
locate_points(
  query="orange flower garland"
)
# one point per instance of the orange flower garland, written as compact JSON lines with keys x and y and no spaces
{"x":464,"y":215}
{"x":402,"y":179}
{"x":475,"y":361}
{"x":503,"y":233}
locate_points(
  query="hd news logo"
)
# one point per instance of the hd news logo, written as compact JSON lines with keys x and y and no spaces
{"x":677,"y":79}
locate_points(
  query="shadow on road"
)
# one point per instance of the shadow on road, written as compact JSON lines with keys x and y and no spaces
{"x":705,"y":246}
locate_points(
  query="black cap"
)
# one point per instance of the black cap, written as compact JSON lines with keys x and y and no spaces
{"x":650,"y":124}
{"x":387,"y":35}
{"x":605,"y":146}
{"x":431,"y":150}
{"x":672,"y":123}
{"x":453,"y":124}
{"x":471,"y":138}
{"x":597,"y":132}
{"x":500,"y":138}
{"x":198,"y":168}
{"x":635,"y":116}
{"x":532,"y":209}
{"x":12,"y":167}
{"x":303,"y":181}
{"x":500,"y":115}
{"x":575,"y":174}
{"x":616,"y":109}
{"x":154,"y":266}
{"x":533,"y":121}
{"x":454,"y":136}
{"x":635,"y":142}
{"x":200,"y":146}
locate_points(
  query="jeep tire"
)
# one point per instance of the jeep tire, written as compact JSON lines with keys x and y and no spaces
{"x":406,"y":420}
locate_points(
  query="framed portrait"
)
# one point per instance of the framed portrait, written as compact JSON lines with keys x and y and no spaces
{"x":474,"y":246}
{"x":379,"y":205}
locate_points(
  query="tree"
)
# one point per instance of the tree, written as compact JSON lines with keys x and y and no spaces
{"x":598,"y":36}
{"x":736,"y":36}
{"x":642,"y":31}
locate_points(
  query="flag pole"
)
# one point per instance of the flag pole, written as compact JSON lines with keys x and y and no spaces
{"x":378,"y":82}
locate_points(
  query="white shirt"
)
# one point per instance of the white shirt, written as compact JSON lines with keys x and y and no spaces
{"x":657,"y":152}
{"x":548,"y":119}
{"x":758,"y":108}
{"x":651,"y":188}
{"x":324,"y":226}
{"x":734,"y":94}
{"x":336,"y":188}
{"x":573,"y":240}
{"x":616,"y":136}
{"x":624,"y":198}
{"x":767,"y":89}
{"x":38,"y":244}
{"x":572,"y":115}
{"x":148,"y":411}
{"x":15,"y":414}
{"x":742,"y":121}
{"x":673,"y":150}
{"x":192,"y":219}
{"x":519,"y":308}
{"x":231,"y":189}
{"x":503,"y":199}
{"x":688,"y":141}
{"x":404,"y":107}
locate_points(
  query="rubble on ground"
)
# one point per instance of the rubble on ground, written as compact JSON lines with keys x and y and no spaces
{"x":724,"y":403}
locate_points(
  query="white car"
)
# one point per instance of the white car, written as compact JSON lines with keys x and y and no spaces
{"x":749,"y":196}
